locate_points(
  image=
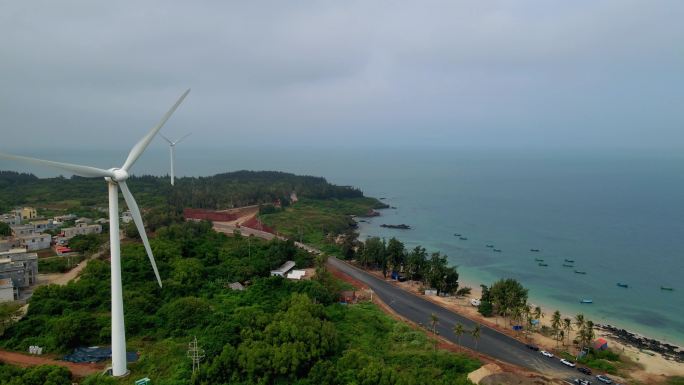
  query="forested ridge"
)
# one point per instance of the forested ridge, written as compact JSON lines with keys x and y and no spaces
{"x":226,"y":190}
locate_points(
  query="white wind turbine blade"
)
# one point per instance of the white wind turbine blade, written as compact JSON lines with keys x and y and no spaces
{"x":137,"y":218}
{"x":165,"y":138}
{"x":86,"y":171}
{"x":140,"y":147}
{"x":183,"y":138}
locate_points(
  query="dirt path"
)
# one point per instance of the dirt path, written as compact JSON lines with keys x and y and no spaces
{"x":24,"y":360}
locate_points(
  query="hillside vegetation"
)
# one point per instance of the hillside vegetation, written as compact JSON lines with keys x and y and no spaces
{"x":277,"y":331}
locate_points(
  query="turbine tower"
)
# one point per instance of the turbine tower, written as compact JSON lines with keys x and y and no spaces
{"x":116,"y":178}
{"x":172,"y":149}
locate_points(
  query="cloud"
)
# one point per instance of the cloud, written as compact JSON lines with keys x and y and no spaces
{"x":509,"y":73}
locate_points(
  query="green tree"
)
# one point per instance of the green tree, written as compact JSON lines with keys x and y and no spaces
{"x":416,"y":261}
{"x":567,"y":327}
{"x":395,"y":254}
{"x":508,"y":294}
{"x":556,"y":321}
{"x":476,"y":334}
{"x":458,"y":332}
{"x":5,"y":229}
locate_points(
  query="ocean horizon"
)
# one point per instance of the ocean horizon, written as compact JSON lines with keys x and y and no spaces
{"x":617,"y":214}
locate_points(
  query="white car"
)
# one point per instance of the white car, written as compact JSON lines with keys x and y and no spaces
{"x":546,"y":354}
{"x":568,"y":363}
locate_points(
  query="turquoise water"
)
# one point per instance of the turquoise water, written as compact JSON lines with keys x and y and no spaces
{"x":619,"y":215}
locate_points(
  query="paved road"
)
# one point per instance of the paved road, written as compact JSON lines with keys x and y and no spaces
{"x":491,"y":343}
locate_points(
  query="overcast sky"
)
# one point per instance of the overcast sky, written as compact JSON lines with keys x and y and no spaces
{"x":476,"y":73}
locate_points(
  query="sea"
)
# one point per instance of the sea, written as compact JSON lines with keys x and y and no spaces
{"x":618,"y":214}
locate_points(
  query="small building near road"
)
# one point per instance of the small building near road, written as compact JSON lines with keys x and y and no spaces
{"x":284,"y":269}
{"x":41,"y":225}
{"x":296,"y":274}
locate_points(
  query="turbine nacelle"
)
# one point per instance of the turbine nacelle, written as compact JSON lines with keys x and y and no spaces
{"x":119,"y":175}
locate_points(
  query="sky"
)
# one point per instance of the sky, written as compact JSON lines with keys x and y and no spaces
{"x":576,"y":74}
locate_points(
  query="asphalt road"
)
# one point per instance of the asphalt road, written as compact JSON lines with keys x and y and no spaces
{"x":491,"y":343}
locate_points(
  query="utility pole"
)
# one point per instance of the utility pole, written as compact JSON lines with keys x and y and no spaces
{"x":195,"y":354}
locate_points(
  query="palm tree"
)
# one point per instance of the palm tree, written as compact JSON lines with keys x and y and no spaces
{"x":555,"y":324}
{"x":458,"y":331}
{"x":567,"y":326}
{"x":433,"y":322}
{"x":538,"y":315}
{"x":579,"y":322}
{"x":476,"y":334}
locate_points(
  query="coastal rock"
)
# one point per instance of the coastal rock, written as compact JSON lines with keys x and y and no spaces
{"x":401,"y":226}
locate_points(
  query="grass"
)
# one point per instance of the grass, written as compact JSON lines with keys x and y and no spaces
{"x":58,"y":264}
{"x":312,"y":219}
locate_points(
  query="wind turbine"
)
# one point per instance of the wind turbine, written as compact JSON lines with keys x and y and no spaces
{"x":116,"y":178}
{"x":172,"y":149}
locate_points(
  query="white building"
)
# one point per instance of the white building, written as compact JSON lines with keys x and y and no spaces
{"x":35,"y":241}
{"x":6,"y":290}
{"x":282,"y":270}
{"x":81,"y":229}
{"x":8,"y":244}
{"x":20,"y":268}
{"x":296,"y":274}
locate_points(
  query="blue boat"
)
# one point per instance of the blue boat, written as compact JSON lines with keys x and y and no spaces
{"x":586,"y":300}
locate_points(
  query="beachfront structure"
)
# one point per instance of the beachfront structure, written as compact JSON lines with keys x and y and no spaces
{"x":6,"y":290}
{"x":21,"y":268}
{"x":284,"y":269}
{"x":21,"y":230}
{"x":35,"y":241}
{"x":81,"y":229}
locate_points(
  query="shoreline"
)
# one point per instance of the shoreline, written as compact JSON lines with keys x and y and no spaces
{"x":657,"y":357}
{"x":617,"y":333}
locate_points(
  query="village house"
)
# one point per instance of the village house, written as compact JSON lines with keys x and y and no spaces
{"x":21,"y":268}
{"x":35,"y":241}
{"x":21,"y":230}
{"x":81,"y":229}
{"x":26,"y":213}
{"x":10,"y":219}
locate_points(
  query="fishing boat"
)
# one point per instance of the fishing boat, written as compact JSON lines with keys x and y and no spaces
{"x":586,"y":300}
{"x":570,"y":260}
{"x":539,"y":259}
{"x":566,"y":265}
{"x":534,"y":250}
{"x":457,"y":235}
{"x":490,"y":246}
{"x":497,"y":250}
{"x":463,"y":238}
{"x":543,"y":264}
{"x":666,"y":288}
{"x":623,"y":285}
{"x":580,"y":272}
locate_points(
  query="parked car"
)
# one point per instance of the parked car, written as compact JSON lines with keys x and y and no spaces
{"x":533,"y":347}
{"x":568,"y":363}
{"x":604,"y":379}
{"x":584,"y":370}
{"x":546,"y":354}
{"x":582,"y":382}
